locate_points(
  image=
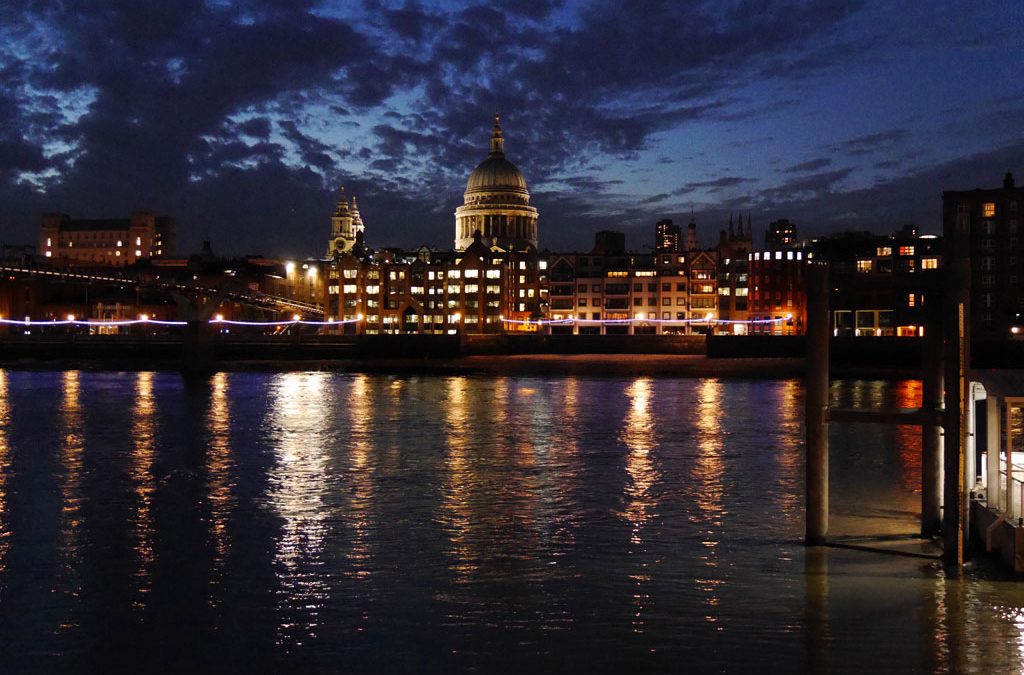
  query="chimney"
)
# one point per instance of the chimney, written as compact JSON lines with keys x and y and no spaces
{"x":1008,"y":181}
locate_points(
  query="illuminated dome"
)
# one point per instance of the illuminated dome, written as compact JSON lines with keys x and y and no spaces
{"x":496,"y":173}
{"x":496,"y":203}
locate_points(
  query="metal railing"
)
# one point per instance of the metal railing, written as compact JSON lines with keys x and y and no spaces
{"x":1011,"y":491}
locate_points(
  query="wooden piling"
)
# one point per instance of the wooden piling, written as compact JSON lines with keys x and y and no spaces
{"x":931,"y":429}
{"x":817,"y":392}
{"x":956,"y":315}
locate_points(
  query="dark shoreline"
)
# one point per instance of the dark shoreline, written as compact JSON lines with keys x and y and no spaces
{"x":572,"y":365}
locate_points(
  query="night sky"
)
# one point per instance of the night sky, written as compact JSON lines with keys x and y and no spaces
{"x":241,"y":118}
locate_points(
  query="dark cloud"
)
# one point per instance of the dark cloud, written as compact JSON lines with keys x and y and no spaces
{"x":864,"y":145}
{"x":810,"y":165}
{"x":797,"y":188}
{"x":240,"y":117}
{"x":716,"y":184}
{"x":654,"y":199}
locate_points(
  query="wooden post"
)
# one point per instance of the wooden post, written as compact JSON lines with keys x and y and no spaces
{"x":955,"y":524}
{"x":931,"y":430}
{"x":816,"y":413}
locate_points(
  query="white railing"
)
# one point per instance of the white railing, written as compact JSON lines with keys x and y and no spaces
{"x":1011,"y":491}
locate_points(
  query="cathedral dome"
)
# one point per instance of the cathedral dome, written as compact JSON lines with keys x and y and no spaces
{"x":497,"y":204}
{"x":496,"y":174}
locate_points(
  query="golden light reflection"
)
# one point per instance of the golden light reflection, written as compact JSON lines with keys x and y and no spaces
{"x":141,"y":468}
{"x":360,"y":475}
{"x":460,"y":476}
{"x":5,"y":465}
{"x":789,"y":450}
{"x":563,"y":480}
{"x":72,"y":449}
{"x":300,"y":418}
{"x":219,"y":467}
{"x":638,"y":434}
{"x":908,"y":438}
{"x":708,"y":472}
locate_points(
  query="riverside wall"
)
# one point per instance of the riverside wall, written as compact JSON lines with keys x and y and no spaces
{"x":901,"y":353}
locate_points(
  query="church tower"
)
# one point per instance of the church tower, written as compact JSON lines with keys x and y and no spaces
{"x":346,"y":223}
{"x":496,"y":203}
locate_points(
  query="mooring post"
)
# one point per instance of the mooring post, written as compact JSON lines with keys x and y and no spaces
{"x":931,"y":403}
{"x":816,"y":413}
{"x":957,"y":315}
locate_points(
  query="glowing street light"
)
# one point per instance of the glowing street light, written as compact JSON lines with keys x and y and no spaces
{"x":143,"y":317}
{"x":71,"y":317}
{"x":289,"y":268}
{"x":218,"y":317}
{"x":296,"y":317}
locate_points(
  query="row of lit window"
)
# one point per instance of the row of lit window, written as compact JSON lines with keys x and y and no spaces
{"x":778,"y":255}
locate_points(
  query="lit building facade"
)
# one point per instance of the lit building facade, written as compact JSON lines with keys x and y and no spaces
{"x":610,"y":291}
{"x":667,"y":237}
{"x":988,"y":222}
{"x":109,"y":242}
{"x":777,"y":294}
{"x":880,"y":284}
{"x":734,"y":249}
{"x":493,"y":281}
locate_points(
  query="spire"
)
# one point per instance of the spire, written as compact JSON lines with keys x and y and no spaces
{"x":357,"y":220}
{"x":342,"y":207}
{"x":497,"y":142}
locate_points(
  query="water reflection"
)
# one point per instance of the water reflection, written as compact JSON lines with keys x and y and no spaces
{"x":71,"y":462}
{"x":907,"y":394}
{"x":506,"y":509}
{"x":708,"y":473}
{"x":5,"y":465}
{"x":360,"y":477}
{"x":788,"y":450}
{"x":299,"y":419}
{"x":459,"y":478}
{"x":219,"y":468}
{"x":638,"y":435}
{"x":141,"y":474}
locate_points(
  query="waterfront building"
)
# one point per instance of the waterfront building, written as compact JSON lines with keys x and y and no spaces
{"x":494,"y":279}
{"x":108,"y":242}
{"x":611,"y":291}
{"x":778,"y":301}
{"x":988,"y":221}
{"x":734,"y":249}
{"x":881,"y":283}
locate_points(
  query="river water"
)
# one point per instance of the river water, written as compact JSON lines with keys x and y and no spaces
{"x":324,"y":522}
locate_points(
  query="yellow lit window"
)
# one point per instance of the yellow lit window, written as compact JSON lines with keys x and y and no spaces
{"x":988,"y":209}
{"x":864,"y":265}
{"x":929,"y":263}
{"x":911,"y":300}
{"x":884,"y":251}
{"x":906,"y":250}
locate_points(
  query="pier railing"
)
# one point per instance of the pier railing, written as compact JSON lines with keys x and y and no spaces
{"x":1011,"y":498}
